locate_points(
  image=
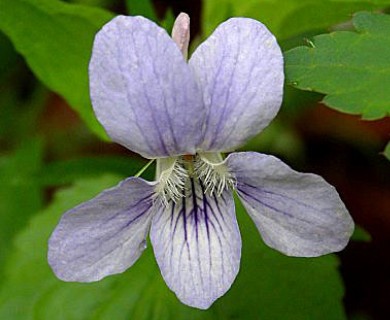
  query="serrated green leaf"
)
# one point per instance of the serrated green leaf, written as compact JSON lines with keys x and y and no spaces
{"x":269,"y":286}
{"x":351,"y":68}
{"x":287,"y":18}
{"x":56,"y":39}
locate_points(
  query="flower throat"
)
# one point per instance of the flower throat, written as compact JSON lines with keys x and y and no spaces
{"x":175,"y":175}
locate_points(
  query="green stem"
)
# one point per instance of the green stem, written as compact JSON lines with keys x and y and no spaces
{"x":144,"y":168}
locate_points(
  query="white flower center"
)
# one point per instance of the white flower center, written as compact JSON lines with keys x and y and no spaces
{"x":174,"y":175}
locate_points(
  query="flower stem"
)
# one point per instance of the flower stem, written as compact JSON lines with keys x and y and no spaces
{"x":144,"y":168}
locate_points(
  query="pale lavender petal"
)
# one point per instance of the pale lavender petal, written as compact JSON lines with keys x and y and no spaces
{"x":102,"y":236}
{"x":299,"y":214}
{"x":240,"y":70}
{"x":197,"y":245}
{"x":142,"y":90}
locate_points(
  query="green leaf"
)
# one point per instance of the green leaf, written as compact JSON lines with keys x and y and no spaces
{"x":361,"y":235}
{"x":386,"y":152}
{"x":287,"y":18}
{"x":141,"y":7}
{"x":56,"y":39}
{"x":351,"y":68}
{"x":278,"y":138}
{"x":20,"y":194}
{"x":273,"y":286}
{"x":31,"y":290}
{"x":95,"y":3}
{"x":269,"y":286}
{"x":8,"y":57}
{"x":19,"y":113}
{"x":68,"y":171}
{"x":168,"y":21}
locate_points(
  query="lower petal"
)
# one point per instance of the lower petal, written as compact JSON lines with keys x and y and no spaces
{"x":197,"y":245}
{"x":102,"y":236}
{"x":299,"y":214}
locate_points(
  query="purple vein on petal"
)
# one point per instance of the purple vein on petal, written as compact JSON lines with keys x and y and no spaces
{"x":224,"y":108}
{"x":248,"y":195}
{"x":152,"y":111}
{"x":122,"y":72}
{"x":203,"y":260}
{"x":166,"y":113}
{"x":257,"y":199}
{"x":111,"y":236}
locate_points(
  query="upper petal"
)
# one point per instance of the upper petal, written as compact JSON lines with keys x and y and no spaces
{"x":142,"y":90}
{"x":240,"y":70}
{"x":299,"y":214}
{"x":197,"y":245}
{"x":102,"y":236}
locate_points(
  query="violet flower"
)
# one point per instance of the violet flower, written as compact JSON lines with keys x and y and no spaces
{"x":150,"y":100}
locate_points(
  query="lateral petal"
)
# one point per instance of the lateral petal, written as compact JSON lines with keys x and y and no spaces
{"x":240,"y":70}
{"x":299,"y":214}
{"x":142,"y":90}
{"x":104,"y":235}
{"x":197,"y":245}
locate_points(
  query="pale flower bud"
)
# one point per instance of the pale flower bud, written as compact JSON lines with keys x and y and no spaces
{"x":181,"y":33}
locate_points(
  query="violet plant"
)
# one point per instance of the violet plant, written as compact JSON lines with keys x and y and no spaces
{"x":185,"y":115}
